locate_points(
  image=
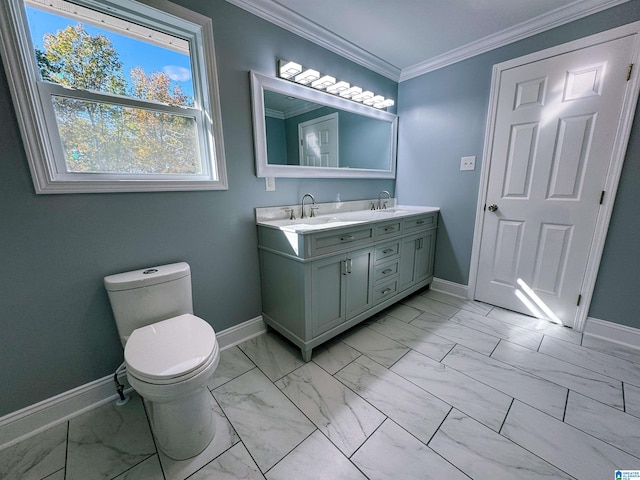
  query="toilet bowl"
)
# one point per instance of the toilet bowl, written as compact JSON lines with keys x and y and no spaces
{"x":169,"y":364}
{"x":170,"y":355}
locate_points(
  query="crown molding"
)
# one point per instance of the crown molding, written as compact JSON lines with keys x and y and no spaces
{"x":279,"y":15}
{"x":542,"y":23}
{"x":283,"y":17}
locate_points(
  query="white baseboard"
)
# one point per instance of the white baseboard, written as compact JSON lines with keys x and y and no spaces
{"x":612,"y":332}
{"x":36,"y":418}
{"x":445,"y":286}
{"x":240,"y":333}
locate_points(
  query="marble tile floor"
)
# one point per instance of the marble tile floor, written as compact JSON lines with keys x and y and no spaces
{"x":433,"y":387}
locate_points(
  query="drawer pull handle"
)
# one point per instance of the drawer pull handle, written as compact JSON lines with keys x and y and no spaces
{"x":389,"y":229}
{"x":385,"y":291}
{"x":388,"y":250}
{"x":387,"y":271}
{"x":419,"y":222}
{"x":348,"y":238}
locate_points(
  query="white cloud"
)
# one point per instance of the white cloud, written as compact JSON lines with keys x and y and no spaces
{"x":177,"y":74}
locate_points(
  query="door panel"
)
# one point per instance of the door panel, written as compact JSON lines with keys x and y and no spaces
{"x":522,"y":148}
{"x":554,"y":132}
{"x":551,"y":259}
{"x":319,"y":141}
{"x":509,"y":242}
{"x":571,"y":151}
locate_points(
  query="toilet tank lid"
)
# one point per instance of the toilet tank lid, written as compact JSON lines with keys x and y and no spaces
{"x":146,"y":277}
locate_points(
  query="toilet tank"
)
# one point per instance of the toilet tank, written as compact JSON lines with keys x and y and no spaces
{"x":150,"y":295}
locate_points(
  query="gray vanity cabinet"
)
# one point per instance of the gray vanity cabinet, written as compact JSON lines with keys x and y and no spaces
{"x":318,"y":284}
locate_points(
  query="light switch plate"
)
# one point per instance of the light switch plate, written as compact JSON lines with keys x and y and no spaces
{"x":467,"y":163}
{"x":270,"y":184}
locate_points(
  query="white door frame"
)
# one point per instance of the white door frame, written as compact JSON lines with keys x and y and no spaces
{"x":613,"y":175}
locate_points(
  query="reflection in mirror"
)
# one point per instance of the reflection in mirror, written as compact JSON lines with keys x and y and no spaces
{"x":300,"y":132}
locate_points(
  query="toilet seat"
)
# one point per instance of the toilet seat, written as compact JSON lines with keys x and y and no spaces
{"x":171,"y":351}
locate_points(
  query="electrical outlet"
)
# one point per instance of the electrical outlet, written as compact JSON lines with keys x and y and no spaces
{"x":468,"y":163}
{"x":270,"y":184}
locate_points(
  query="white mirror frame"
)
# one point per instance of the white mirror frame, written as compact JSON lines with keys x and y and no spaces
{"x":260,"y":82}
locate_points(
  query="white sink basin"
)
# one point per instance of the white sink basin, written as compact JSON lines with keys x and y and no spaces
{"x":390,"y":211}
{"x":369,"y":215}
{"x":321,"y":225}
{"x":314,"y":223}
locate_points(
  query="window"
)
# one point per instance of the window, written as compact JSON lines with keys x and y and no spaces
{"x":114,"y":95}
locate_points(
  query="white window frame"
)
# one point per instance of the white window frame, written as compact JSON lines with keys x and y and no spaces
{"x":34,"y":108}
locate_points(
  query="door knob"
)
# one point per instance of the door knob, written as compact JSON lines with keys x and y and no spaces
{"x":493,"y":207}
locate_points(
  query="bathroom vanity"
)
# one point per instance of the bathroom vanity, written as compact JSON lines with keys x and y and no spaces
{"x":321,"y":275}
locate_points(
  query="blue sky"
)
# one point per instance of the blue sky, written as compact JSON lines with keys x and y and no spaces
{"x":132,"y":52}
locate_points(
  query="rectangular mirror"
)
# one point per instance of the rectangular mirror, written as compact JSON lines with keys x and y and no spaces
{"x":302,"y":132}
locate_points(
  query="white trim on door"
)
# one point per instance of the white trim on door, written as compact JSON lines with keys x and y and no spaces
{"x":613,"y":176}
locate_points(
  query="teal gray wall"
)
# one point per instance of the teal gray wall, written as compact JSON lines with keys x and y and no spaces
{"x":56,"y":327}
{"x":276,"y":140}
{"x":443,"y":117}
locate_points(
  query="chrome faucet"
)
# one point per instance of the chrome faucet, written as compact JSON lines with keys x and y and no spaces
{"x":313,"y":202}
{"x":381,"y":204}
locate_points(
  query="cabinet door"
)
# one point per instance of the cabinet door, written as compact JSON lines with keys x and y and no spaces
{"x":416,"y":258}
{"x":359,"y":281}
{"x":408,"y":250}
{"x":425,"y":246}
{"x":328,"y":291}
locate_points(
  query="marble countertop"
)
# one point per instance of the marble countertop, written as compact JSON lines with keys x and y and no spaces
{"x":335,"y":215}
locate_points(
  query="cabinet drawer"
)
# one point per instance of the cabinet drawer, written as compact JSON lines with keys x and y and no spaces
{"x":386,"y":252}
{"x":388,"y":229}
{"x":339,"y":240}
{"x":384,"y":271}
{"x":419,"y":222}
{"x":385,"y":291}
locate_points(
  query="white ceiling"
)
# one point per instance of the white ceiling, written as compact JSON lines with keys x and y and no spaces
{"x":401,"y":39}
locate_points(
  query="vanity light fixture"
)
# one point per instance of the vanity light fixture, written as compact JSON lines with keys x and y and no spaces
{"x":361,"y":97}
{"x":338,"y":88}
{"x":350,"y":92}
{"x":289,"y":69}
{"x":373,"y":100}
{"x":323,"y":82}
{"x":295,"y":72}
{"x":308,"y":76}
{"x":384,"y":103}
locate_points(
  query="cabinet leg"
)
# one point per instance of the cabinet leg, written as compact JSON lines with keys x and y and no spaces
{"x":306,"y":354}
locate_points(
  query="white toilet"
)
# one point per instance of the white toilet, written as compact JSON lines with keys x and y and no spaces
{"x":170,"y":354}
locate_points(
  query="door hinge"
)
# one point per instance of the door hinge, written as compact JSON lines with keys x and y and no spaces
{"x":602,"y":197}
{"x":629,"y":70}
{"x":579,"y":300}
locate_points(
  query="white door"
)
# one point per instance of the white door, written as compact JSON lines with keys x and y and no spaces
{"x":319,"y":141}
{"x":553,"y":141}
